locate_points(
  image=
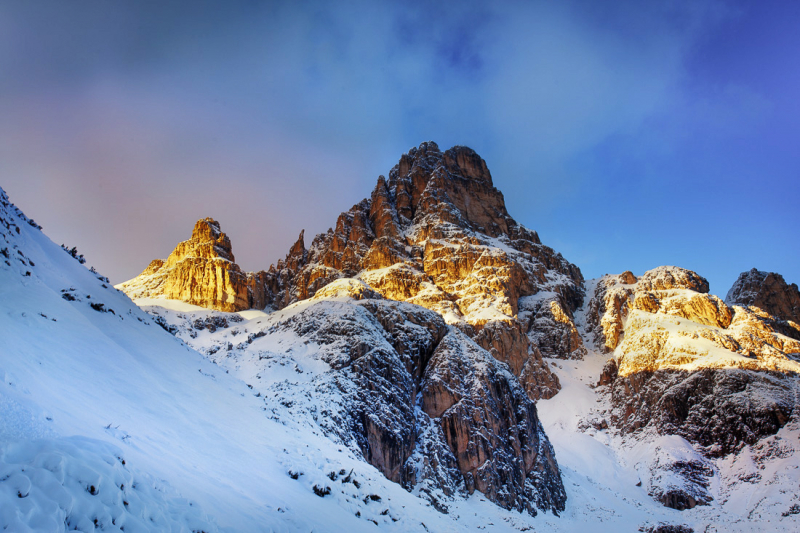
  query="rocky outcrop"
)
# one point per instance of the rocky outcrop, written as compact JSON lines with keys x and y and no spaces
{"x":661,"y":321}
{"x":492,"y":428}
{"x":685,"y":363}
{"x":421,"y":401}
{"x":680,"y":478}
{"x":608,"y":308}
{"x":551,"y":326}
{"x":436,"y":233}
{"x":719,"y":409}
{"x":770,"y":293}
{"x":200,"y":271}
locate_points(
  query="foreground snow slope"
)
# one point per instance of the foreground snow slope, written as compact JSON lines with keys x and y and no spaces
{"x":116,"y":378}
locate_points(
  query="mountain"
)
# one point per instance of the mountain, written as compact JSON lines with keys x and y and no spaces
{"x":200,"y":271}
{"x":417,"y":399}
{"x":436,"y":234}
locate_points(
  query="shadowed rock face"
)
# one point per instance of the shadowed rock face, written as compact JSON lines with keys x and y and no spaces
{"x":769,"y":292}
{"x":719,"y":409}
{"x":492,"y":428}
{"x":435,"y":233}
{"x":430,"y":408}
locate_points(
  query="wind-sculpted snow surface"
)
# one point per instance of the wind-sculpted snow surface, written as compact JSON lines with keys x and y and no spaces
{"x":416,"y":398}
{"x":79,"y":484}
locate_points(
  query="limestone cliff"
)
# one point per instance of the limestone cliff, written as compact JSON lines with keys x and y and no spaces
{"x":200,"y":271}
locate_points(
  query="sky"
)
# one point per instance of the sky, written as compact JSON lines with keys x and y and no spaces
{"x":628,"y":134}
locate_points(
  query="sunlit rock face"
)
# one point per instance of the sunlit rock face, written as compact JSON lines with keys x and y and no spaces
{"x":200,"y":271}
{"x":687,"y":363}
{"x":436,"y":233}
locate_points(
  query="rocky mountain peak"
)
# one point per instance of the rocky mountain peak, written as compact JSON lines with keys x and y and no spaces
{"x":453,"y":186}
{"x":207,"y":242}
{"x":200,"y":271}
{"x":672,"y":277}
{"x":767,"y":291}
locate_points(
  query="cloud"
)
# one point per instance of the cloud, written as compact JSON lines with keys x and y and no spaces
{"x":124,"y":123}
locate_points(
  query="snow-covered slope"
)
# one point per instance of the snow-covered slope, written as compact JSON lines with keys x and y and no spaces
{"x":421,"y":401}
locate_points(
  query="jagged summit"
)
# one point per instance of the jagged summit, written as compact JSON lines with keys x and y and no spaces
{"x":200,"y":271}
{"x":454,"y":186}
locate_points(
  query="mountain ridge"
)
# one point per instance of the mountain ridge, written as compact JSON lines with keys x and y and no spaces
{"x":435,"y":233}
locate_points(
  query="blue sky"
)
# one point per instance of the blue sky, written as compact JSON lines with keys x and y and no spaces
{"x":628,"y":134}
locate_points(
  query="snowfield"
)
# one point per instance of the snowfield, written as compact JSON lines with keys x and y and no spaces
{"x":108,"y":422}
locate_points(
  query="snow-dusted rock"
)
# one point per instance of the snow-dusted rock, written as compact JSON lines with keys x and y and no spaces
{"x":418,"y":399}
{"x":346,"y":288}
{"x":679,"y":477}
{"x":718,"y":409}
{"x":770,"y":293}
{"x":491,"y":427}
{"x":685,"y":363}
